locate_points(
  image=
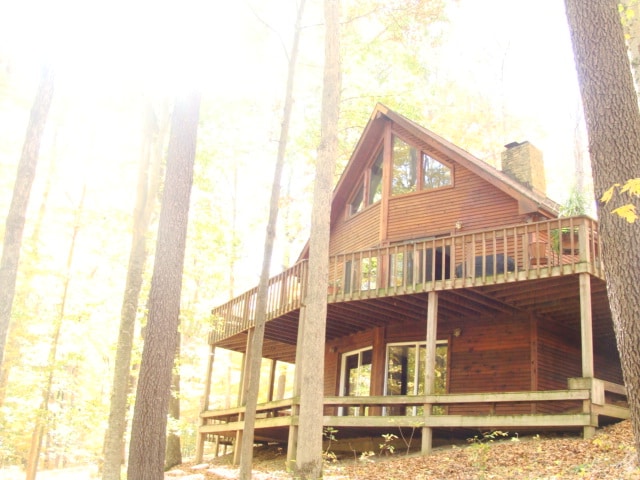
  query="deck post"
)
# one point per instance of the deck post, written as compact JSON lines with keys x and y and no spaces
{"x":586,"y":328}
{"x":205,"y":404}
{"x":272,"y":379}
{"x":292,"y":443}
{"x":430,"y":367}
{"x":586,"y":336}
{"x":242,"y":394}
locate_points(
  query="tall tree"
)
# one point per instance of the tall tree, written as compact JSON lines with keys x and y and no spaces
{"x":148,"y":430}
{"x":309,"y":447}
{"x":146,"y":195}
{"x":613,"y":127}
{"x":18,"y":209}
{"x":12,"y":347}
{"x":252,"y":379}
{"x":42,"y":414}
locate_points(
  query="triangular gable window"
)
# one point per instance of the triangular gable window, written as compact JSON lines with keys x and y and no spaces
{"x":414,"y":170}
{"x":370,"y":187}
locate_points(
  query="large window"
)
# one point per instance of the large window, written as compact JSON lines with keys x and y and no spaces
{"x":405,"y":372}
{"x":405,"y":168}
{"x":356,"y":377}
{"x":434,"y":173}
{"x":375,"y":179}
{"x":414,"y":170}
{"x":369,"y":189}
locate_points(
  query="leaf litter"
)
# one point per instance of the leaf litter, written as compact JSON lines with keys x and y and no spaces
{"x":609,"y":455}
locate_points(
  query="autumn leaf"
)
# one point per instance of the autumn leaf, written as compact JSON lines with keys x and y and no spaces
{"x":632,"y":187}
{"x":628,"y":212}
{"x":608,"y":195}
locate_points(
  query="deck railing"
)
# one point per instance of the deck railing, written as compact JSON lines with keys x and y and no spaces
{"x":584,"y":399}
{"x":466,"y":259}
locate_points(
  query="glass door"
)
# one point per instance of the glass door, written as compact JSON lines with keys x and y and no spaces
{"x":405,"y":373}
{"x":356,"y":378}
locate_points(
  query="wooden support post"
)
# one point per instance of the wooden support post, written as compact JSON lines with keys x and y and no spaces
{"x":205,"y":404}
{"x":292,"y":444}
{"x":586,"y":328}
{"x":272,"y":379}
{"x":586,"y":336}
{"x":533,"y":329}
{"x":378,"y":359}
{"x":242,"y":397}
{"x":430,"y":368}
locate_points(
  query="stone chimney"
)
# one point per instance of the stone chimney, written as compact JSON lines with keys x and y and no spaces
{"x":523,"y":162}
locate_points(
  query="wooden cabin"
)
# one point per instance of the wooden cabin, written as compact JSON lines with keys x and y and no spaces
{"x":458,"y":301}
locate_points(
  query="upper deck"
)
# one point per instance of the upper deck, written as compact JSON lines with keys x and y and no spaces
{"x":484,"y":269}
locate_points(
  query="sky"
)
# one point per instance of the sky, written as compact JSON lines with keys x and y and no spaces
{"x":517,"y":53}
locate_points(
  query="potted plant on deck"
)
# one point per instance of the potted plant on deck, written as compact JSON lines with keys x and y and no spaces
{"x":565,"y":240}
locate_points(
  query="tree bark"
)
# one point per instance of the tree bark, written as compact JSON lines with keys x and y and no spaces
{"x":148,"y":430}
{"x":251,"y":382}
{"x":309,"y":445}
{"x":613,"y":126}
{"x":18,"y":208}
{"x":146,"y":195}
{"x":173,"y":455}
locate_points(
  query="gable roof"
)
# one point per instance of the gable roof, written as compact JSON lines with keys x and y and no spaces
{"x":528,"y":198}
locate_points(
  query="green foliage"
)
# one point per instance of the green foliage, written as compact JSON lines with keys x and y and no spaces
{"x":575,"y":205}
{"x":481,"y":444}
{"x":387,"y":447}
{"x":329,"y":433}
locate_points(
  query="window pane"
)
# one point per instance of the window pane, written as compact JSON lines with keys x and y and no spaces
{"x":435,"y":174}
{"x":369,"y":274}
{"x":357,"y":203}
{"x":348,"y":272}
{"x":405,"y":374}
{"x":400,"y":269}
{"x":397,"y":370}
{"x":405,"y":168}
{"x":441,"y":369}
{"x":375,"y":180}
{"x":357,"y":378}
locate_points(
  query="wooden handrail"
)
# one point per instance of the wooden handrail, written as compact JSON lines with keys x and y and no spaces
{"x":465,"y":259}
{"x":573,"y":394}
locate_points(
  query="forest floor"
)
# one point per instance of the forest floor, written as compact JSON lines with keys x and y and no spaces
{"x":608,"y":455}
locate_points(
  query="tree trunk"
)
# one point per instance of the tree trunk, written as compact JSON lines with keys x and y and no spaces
{"x":251,"y":382}
{"x":147,"y":192}
{"x":309,"y":445}
{"x":12,"y":345}
{"x":613,"y":126}
{"x":173,"y":455}
{"x":18,"y":209}
{"x":148,"y":430}
{"x":43,"y":412}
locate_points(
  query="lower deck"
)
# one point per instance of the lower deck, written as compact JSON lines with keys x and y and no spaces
{"x":585,"y":405}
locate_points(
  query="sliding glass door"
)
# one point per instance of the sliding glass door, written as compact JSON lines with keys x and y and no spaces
{"x":356,"y":377}
{"x":405,"y":372}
